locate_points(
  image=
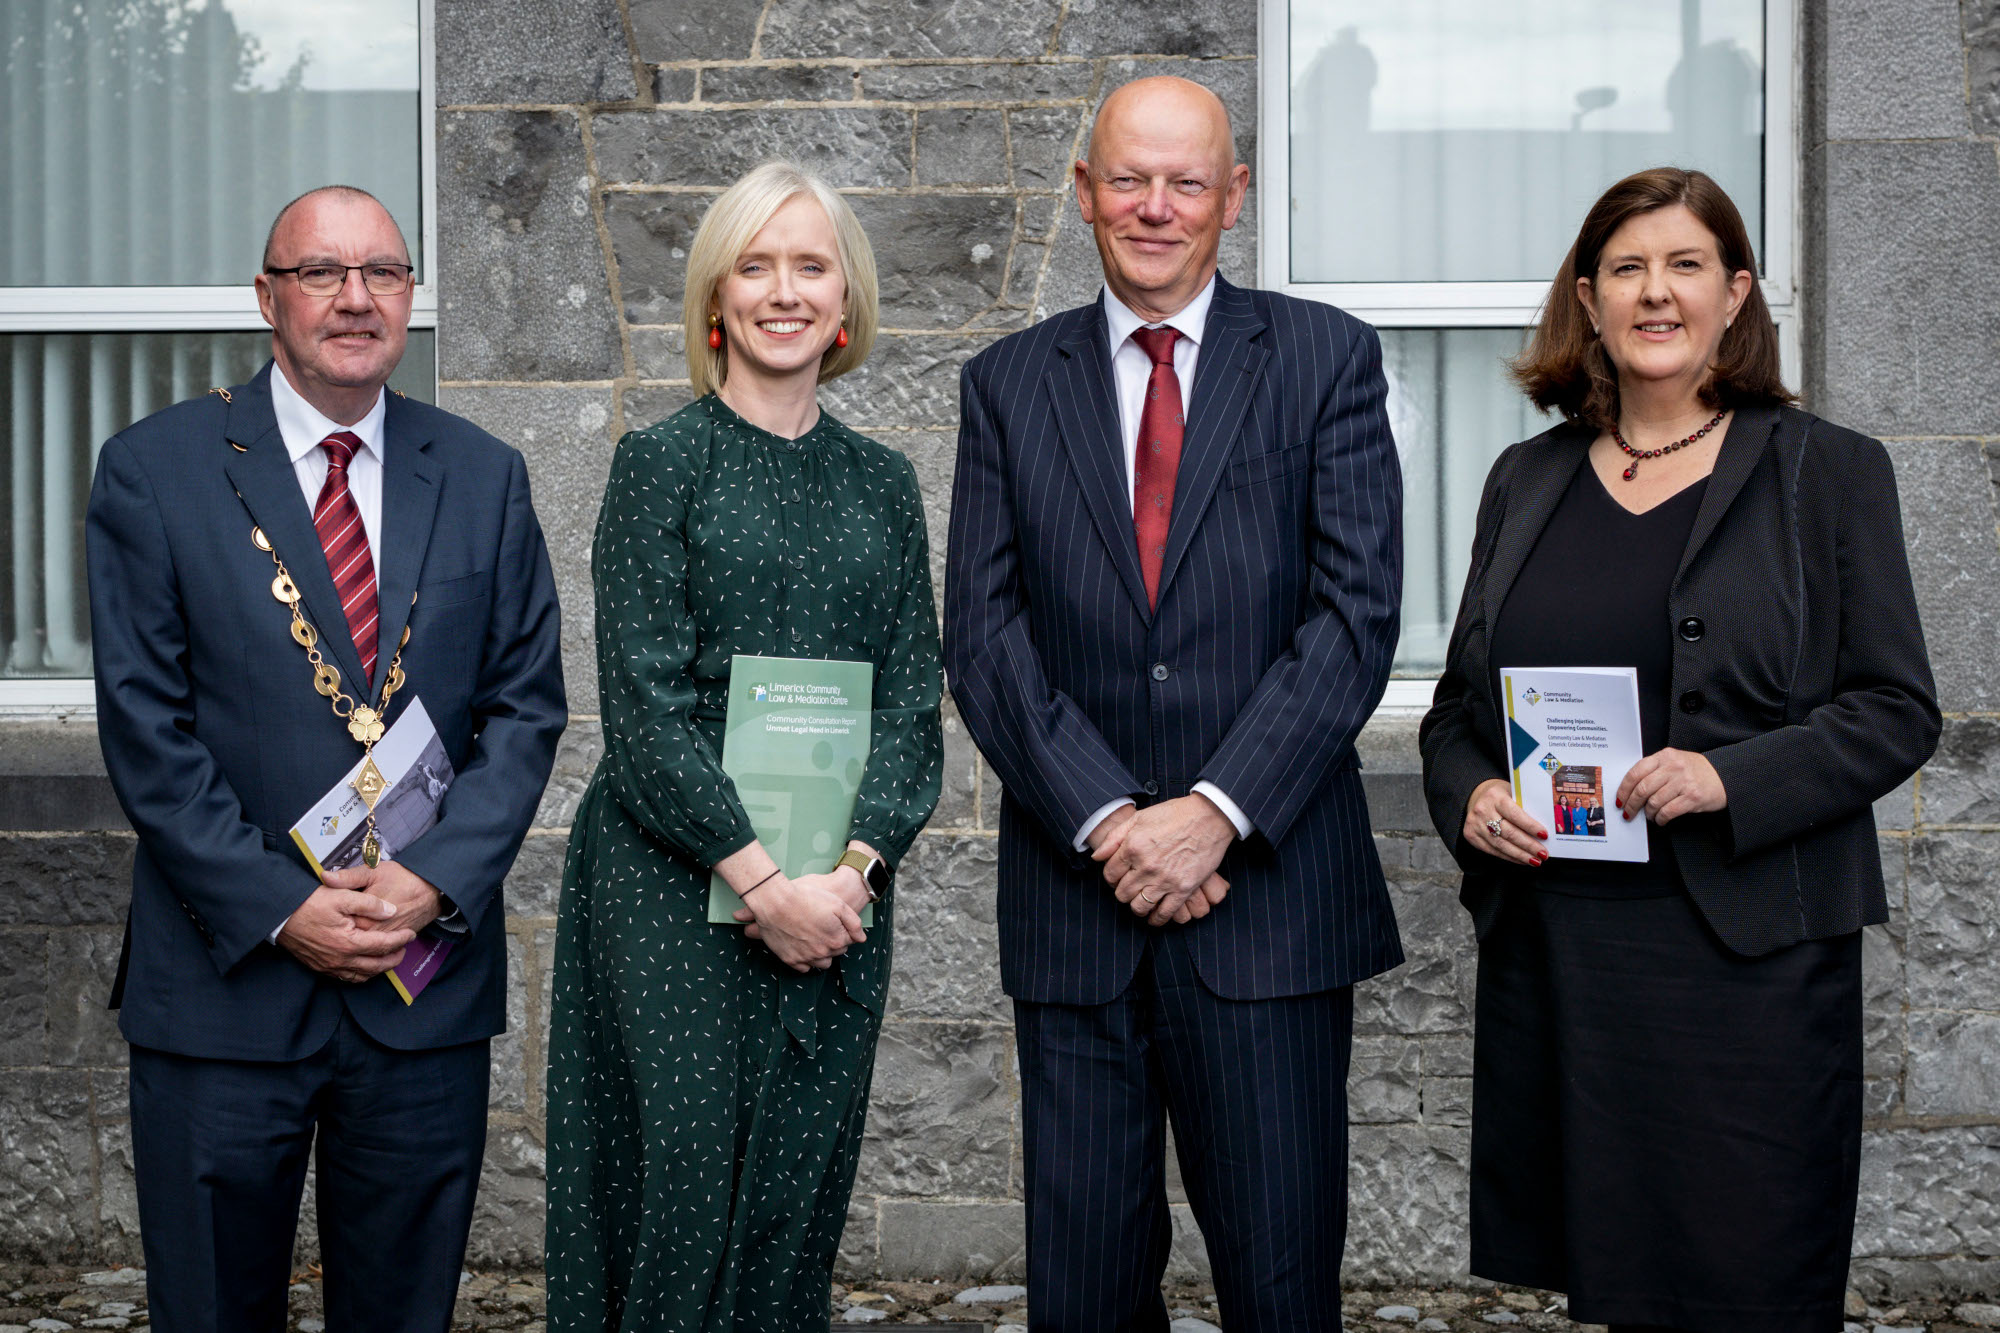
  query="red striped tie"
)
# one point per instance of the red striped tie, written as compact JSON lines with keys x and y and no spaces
{"x":1157,"y":461}
{"x":338,"y":522}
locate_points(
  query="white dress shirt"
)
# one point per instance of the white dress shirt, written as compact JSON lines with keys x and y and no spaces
{"x":303,"y":427}
{"x":1132,"y":369}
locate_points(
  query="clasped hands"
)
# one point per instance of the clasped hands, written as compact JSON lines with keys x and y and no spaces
{"x":807,"y":922}
{"x":1661,"y":787}
{"x":1161,"y":861}
{"x":358,"y":921}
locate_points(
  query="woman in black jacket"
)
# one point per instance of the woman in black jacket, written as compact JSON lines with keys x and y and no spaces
{"x":1667,"y":1068}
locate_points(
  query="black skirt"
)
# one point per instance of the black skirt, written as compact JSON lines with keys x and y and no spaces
{"x":1663,"y":1129}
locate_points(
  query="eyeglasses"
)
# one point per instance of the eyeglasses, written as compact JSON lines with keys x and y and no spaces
{"x":328,"y":279}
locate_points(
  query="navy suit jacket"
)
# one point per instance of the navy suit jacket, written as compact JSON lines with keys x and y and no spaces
{"x":216,"y":741}
{"x":1279,"y":597}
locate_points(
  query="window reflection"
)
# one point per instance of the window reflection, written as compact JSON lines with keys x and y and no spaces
{"x":1462,"y":140}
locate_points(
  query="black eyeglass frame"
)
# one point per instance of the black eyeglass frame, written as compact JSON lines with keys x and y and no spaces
{"x":409,"y":277}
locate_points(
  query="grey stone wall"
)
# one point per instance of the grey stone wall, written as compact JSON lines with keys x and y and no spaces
{"x":578,"y":143}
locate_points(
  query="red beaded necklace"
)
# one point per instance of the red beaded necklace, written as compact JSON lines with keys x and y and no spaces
{"x":1637,"y":454}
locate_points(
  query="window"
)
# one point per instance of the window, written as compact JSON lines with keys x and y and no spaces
{"x":1425,"y":165}
{"x":146,"y":148}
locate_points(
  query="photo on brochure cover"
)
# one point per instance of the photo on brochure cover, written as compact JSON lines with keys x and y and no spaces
{"x":1579,"y":796}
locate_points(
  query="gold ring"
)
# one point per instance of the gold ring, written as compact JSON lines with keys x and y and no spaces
{"x":1150,"y":902}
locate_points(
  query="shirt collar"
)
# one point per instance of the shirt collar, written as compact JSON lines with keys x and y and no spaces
{"x":1190,"y":319}
{"x":304,"y":426}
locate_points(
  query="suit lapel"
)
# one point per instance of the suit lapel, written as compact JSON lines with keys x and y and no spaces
{"x":409,"y":504}
{"x":263,"y":476}
{"x":1750,"y":433}
{"x":1225,"y":382}
{"x":1086,"y":409}
{"x":1545,"y":473}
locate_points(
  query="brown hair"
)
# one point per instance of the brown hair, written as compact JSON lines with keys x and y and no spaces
{"x":1565,"y":367}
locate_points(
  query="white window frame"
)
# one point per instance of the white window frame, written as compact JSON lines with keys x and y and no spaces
{"x":202,"y":310}
{"x":1441,"y":305}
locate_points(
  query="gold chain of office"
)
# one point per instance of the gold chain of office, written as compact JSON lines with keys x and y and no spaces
{"x":364,"y":723}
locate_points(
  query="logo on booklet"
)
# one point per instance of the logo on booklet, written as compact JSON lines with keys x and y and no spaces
{"x":1529,"y":697}
{"x":1550,"y":763}
{"x":329,"y":824}
{"x":760,"y":694}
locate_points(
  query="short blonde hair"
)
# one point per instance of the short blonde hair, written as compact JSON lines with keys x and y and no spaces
{"x":727,"y":229}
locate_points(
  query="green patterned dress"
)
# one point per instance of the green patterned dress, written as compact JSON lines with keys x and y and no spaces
{"x":705,"y":1102}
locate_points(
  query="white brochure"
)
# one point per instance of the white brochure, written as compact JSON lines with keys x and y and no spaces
{"x":412,"y":760}
{"x":1572,"y":733}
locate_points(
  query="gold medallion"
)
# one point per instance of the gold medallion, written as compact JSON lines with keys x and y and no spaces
{"x":365,"y":724}
{"x":284,"y":589}
{"x":371,"y":850}
{"x":303,"y":634}
{"x":260,"y":541}
{"x":326,"y":680}
{"x":369,"y":783}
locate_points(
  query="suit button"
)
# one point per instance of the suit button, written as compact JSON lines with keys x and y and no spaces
{"x":1152,"y":788}
{"x":1159,"y":671}
{"x":798,"y":636}
{"x":1692,"y":628}
{"x":1693,"y":701}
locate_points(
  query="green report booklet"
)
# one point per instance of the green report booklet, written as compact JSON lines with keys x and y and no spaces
{"x":795,"y":743}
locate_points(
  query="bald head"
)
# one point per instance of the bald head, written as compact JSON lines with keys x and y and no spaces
{"x":352,"y":194}
{"x":1160,"y":186}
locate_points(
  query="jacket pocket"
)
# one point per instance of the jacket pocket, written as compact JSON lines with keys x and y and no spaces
{"x":1267,"y":467}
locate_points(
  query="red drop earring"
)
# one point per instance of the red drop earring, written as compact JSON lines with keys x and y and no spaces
{"x":715,"y":332}
{"x":840,"y":338}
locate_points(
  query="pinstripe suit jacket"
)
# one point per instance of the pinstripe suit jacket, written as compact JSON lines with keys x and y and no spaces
{"x":1277,"y":619}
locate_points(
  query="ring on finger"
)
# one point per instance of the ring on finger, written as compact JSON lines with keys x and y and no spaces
{"x":1494,"y":825}
{"x":1150,"y":902}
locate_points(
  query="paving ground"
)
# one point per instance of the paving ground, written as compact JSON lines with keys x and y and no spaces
{"x":51,"y":1300}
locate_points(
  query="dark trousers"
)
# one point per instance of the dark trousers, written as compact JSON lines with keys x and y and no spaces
{"x":220,"y":1149}
{"x":1257,"y":1094}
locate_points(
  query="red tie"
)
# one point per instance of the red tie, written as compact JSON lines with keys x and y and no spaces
{"x":1158,"y":459}
{"x":338,"y":522}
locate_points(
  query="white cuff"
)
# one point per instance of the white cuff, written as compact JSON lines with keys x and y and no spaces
{"x":1230,"y":810}
{"x":1104,"y":812}
{"x":273,"y":936}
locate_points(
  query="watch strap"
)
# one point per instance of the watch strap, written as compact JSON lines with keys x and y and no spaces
{"x":874,"y":871}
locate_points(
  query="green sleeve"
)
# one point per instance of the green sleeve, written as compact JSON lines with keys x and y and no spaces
{"x":656,"y":762}
{"x":899,"y":788}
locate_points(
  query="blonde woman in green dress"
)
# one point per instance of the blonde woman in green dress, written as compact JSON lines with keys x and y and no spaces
{"x":708,"y":1084}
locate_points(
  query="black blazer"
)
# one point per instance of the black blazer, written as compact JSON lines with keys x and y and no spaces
{"x":1276,"y":625}
{"x":216,"y":742}
{"x":1799,"y":670}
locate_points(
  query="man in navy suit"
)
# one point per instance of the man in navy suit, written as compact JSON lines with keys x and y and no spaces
{"x":252,"y":990}
{"x":1171,"y":603}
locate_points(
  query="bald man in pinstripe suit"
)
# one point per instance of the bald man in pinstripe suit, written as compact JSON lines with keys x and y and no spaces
{"x":1171,"y":603}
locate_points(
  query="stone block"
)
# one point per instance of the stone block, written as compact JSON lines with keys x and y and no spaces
{"x":672,"y":85}
{"x":507,"y":1089}
{"x":82,"y":879}
{"x":515,"y":51}
{"x":1953,"y":932}
{"x":1883,"y":990}
{"x":651,"y":235}
{"x":973,"y":1241}
{"x":534,"y":885}
{"x":1448,"y":1101}
{"x":24,"y":996}
{"x":1894,"y":71}
{"x":82,"y":1030}
{"x":1431,"y":992}
{"x":1888,"y":1281}
{"x":1382,"y":1081}
{"x":1447,"y":1057}
{"x":1909,"y":344}
{"x":675,"y":30}
{"x":958,"y":804}
{"x":640,"y":407}
{"x":522,"y":287}
{"x":934,"y":455}
{"x":1962,"y":781}
{"x":541,"y":990}
{"x":577,"y":754}
{"x":908,"y":380}
{"x":1198,"y":28}
{"x":1954,"y":1065}
{"x":1024,"y":272}
{"x":860,"y":1250}
{"x":874,"y":28}
{"x":565,"y":434}
{"x":778,"y":83}
{"x":961,"y":146}
{"x":1046,"y":144}
{"x":1880,"y":1099}
{"x":940,"y":258}
{"x":659,"y":354}
{"x":507,"y":1219}
{"x":939,"y":1122}
{"x":849,"y":146}
{"x":947,"y":936}
{"x":117,"y":1196}
{"x":1926,"y":1193}
{"x":1948,"y":526}
{"x":1041,"y":81}
{"x":1038,"y":216}
{"x":49,"y":1209}
{"x":1898,"y":809}
{"x":1982,"y":67}
{"x":1407,"y":1190}
{"x":1187,"y":1253}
